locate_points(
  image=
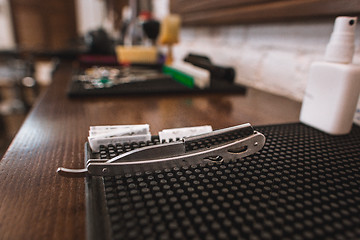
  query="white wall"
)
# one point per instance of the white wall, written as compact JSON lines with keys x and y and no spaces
{"x":7,"y":40}
{"x":272,"y":57}
{"x":89,"y":15}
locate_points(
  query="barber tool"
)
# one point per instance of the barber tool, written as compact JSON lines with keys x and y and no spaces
{"x":169,"y":34}
{"x":218,"y":146}
{"x":188,"y":74}
{"x":151,"y":29}
{"x":216,"y":72}
{"x":107,"y":77}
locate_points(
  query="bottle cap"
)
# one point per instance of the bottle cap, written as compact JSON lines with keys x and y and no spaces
{"x":341,"y":47}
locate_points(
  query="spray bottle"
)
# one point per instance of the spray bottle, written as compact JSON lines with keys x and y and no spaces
{"x":333,"y":86}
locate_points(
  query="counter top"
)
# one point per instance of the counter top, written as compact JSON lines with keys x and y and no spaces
{"x":36,"y":203}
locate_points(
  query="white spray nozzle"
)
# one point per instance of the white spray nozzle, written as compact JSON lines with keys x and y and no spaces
{"x":341,"y":47}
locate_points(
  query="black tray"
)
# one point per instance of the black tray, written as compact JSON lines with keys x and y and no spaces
{"x":163,"y":85}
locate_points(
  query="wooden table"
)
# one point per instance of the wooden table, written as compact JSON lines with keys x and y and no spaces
{"x":36,"y":203}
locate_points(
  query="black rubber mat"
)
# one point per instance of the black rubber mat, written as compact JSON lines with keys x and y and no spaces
{"x":304,"y":184}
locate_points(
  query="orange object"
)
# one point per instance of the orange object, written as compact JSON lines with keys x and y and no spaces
{"x":169,"y":33}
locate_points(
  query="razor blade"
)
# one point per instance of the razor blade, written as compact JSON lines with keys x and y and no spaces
{"x":219,"y":146}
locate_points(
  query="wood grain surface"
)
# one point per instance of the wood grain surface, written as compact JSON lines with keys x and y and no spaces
{"x":36,"y":203}
{"x":213,"y":12}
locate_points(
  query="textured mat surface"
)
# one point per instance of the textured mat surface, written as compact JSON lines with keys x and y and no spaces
{"x":303,"y":184}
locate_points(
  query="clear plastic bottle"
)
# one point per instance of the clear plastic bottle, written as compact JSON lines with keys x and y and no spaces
{"x":134,"y":33}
